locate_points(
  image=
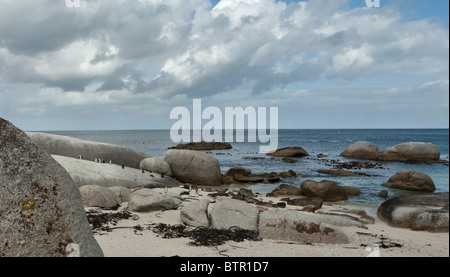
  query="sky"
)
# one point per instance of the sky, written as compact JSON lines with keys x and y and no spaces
{"x":124,"y":65}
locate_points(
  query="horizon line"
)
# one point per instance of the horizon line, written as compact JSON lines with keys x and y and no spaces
{"x":191,"y":130}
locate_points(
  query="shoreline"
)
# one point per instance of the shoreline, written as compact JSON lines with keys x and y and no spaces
{"x":393,"y":242}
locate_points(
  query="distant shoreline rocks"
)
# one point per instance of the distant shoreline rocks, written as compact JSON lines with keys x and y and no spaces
{"x":203,"y":146}
{"x":413,"y":152}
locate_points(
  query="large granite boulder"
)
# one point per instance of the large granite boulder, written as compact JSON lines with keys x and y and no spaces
{"x":227,"y":213}
{"x":122,"y":193}
{"x":41,"y":210}
{"x":326,"y":190}
{"x":427,"y":212}
{"x":156,"y":165}
{"x":410,"y":152}
{"x":289,"y":152}
{"x":88,"y":150}
{"x":195,"y":213}
{"x":411,"y":180}
{"x":96,"y":196}
{"x":361,"y":150}
{"x":301,"y":227}
{"x":108,"y":175}
{"x":147,"y":200}
{"x":194,"y":167}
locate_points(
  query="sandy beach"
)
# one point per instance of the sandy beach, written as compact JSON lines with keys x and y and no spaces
{"x":392,"y":242}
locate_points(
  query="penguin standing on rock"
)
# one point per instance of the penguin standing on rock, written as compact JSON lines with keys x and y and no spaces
{"x":123,"y":167}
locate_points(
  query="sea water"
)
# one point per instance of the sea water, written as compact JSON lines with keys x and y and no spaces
{"x":328,"y":142}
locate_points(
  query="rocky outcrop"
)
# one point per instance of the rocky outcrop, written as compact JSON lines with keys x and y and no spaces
{"x":86,"y":173}
{"x":88,"y":150}
{"x":227,"y":213}
{"x":147,"y":200}
{"x":156,"y":165}
{"x":410,"y":152}
{"x":326,"y":190}
{"x":289,"y":152}
{"x":427,"y":212}
{"x":41,"y":210}
{"x":411,"y":180}
{"x":194,"y":167}
{"x":203,"y":146}
{"x":96,"y":196}
{"x":361,"y":150}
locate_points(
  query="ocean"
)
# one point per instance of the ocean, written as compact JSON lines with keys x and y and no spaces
{"x":328,"y":142}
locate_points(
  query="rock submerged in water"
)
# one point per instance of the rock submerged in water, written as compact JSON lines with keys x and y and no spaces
{"x":204,"y":146}
{"x":289,"y":152}
{"x":239,"y":175}
{"x":411,"y":180}
{"x":410,"y":152}
{"x":421,"y":212}
{"x":342,"y":173}
{"x":41,"y":208}
{"x":327,"y":190}
{"x":418,"y":152}
{"x":194,"y":167}
{"x":88,"y":150}
{"x":361,"y":150}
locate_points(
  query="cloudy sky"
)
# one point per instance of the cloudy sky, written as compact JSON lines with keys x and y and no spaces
{"x":115,"y":64}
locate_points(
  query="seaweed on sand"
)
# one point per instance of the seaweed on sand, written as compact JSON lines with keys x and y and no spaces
{"x":204,"y":236}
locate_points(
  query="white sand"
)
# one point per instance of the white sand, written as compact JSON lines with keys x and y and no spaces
{"x":130,"y":243}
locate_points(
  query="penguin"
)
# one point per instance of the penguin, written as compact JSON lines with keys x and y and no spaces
{"x":110,"y":162}
{"x":123,"y":167}
{"x":79,"y":156}
{"x":143,"y":171}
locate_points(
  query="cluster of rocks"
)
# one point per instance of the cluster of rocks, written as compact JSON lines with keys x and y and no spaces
{"x":324,"y":190}
{"x":47,"y":179}
{"x":279,"y":224}
{"x":419,"y":152}
{"x":239,"y":175}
